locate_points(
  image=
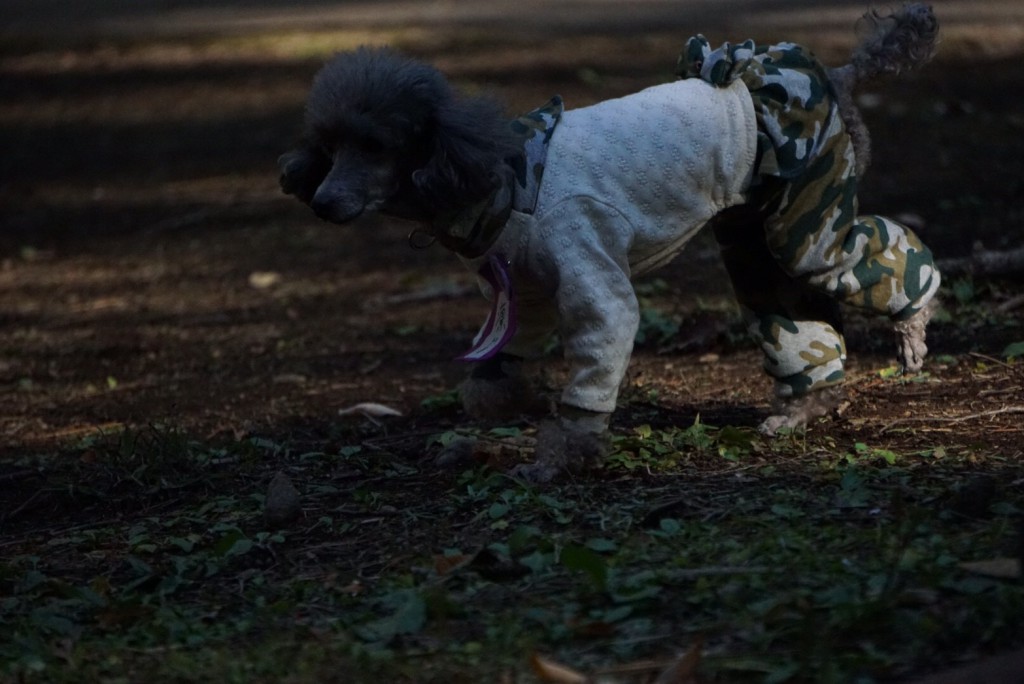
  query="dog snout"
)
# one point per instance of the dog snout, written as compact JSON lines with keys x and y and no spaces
{"x":336,"y":207}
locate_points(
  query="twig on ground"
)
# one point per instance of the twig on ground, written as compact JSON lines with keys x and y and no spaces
{"x":990,"y":359}
{"x":985,"y":262}
{"x":1011,"y":304}
{"x":954,"y":419}
{"x":23,"y":474}
{"x":1005,"y":390}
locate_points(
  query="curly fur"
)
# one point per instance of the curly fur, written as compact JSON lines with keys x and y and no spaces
{"x":890,"y":44}
{"x":567,"y":444}
{"x":387,"y":133}
{"x":793,"y":413}
{"x":910,"y":338}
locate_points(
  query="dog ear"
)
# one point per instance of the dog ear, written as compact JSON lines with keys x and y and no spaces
{"x":468,"y":141}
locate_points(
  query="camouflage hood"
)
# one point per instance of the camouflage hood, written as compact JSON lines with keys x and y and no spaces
{"x":471,"y":232}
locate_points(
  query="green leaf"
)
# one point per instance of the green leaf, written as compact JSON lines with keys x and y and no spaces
{"x":963,"y":290}
{"x":889,"y":457}
{"x":735,"y":437}
{"x":602,"y":545}
{"x":582,"y":559}
{"x":890,"y":372}
{"x":409,"y":616}
{"x":1014,"y":350}
{"x":47,"y":621}
{"x":853,"y":492}
{"x":233,"y":544}
{"x":785,"y":512}
{"x":537,"y":561}
{"x":782,"y":673}
{"x":520,"y":539}
{"x":669,"y":526}
{"x":615,"y":613}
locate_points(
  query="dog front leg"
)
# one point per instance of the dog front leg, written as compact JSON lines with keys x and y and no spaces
{"x":573,"y":441}
{"x":302,"y":172}
{"x":598,"y":322}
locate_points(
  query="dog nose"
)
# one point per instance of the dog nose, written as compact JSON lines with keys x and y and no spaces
{"x":321,"y":207}
{"x":336,"y":208}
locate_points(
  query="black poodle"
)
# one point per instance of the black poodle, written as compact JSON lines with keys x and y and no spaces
{"x":558,"y":210}
{"x":386,"y":133}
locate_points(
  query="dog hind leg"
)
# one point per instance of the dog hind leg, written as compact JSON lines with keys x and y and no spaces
{"x":798,"y":329}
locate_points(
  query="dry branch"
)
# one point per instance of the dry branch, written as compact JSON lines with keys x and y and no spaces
{"x":985,"y":262}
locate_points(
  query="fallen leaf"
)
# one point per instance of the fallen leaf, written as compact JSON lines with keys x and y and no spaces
{"x":370,"y":410}
{"x":550,"y":671}
{"x":684,"y":670}
{"x":1001,"y":568}
{"x":289,"y":379}
{"x":262,"y":280}
{"x":444,"y":565}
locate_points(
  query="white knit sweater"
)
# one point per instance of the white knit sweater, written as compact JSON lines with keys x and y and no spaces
{"x":626,"y":183}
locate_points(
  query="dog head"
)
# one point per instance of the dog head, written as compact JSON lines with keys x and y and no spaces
{"x":387,"y":133}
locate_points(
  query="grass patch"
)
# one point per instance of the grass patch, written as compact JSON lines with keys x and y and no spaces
{"x":794,"y":560}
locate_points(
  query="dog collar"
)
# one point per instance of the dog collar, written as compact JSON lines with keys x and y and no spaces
{"x":472,"y":231}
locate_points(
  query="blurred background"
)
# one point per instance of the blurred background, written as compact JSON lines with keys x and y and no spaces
{"x":150,"y":269}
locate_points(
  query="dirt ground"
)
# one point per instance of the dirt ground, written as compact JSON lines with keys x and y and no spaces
{"x":152,"y":272}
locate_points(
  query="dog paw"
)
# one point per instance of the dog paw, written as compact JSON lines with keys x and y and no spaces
{"x":910,"y":339}
{"x":567,"y":444}
{"x":538,"y":472}
{"x":772,"y":424}
{"x":793,"y":413}
{"x":498,"y":388}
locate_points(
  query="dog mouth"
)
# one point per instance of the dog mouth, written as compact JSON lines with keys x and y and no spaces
{"x":338,"y":212}
{"x":339,"y":218}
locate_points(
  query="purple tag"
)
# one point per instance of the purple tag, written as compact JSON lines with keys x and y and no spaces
{"x":500,"y":325}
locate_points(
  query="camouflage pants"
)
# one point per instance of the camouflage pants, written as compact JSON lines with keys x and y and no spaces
{"x":799,"y":249}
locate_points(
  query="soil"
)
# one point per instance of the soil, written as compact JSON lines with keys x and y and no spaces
{"x":151,"y":273}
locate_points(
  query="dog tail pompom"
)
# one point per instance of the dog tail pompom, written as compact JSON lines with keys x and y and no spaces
{"x":896,"y":42}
